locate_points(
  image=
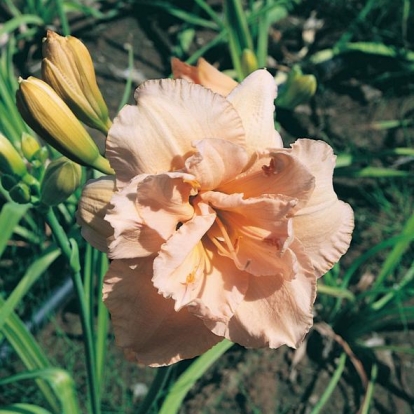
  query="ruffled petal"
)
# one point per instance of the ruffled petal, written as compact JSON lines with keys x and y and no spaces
{"x":276,"y":173}
{"x":254,"y":232}
{"x":253,"y":100}
{"x":163,"y":201}
{"x":324,"y":226}
{"x":210,"y":285}
{"x":274,"y":312}
{"x":146,"y":325}
{"x":132,"y":238}
{"x":215,"y":162}
{"x":203,"y":74}
{"x":156,"y":135}
{"x":92,"y":208}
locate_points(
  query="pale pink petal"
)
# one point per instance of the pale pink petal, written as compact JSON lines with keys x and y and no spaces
{"x":254,"y":102}
{"x":92,"y":208}
{"x":203,"y":74}
{"x":132,"y":238}
{"x":211,"y":286}
{"x":215,"y":162}
{"x":277,"y":173}
{"x":146,"y":325}
{"x":275,"y":311}
{"x":254,"y":232}
{"x":163,"y":201}
{"x":324,"y":226}
{"x":156,"y":135}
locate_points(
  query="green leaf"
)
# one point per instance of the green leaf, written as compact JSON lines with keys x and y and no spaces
{"x":35,"y":270}
{"x":20,"y":408}
{"x":59,"y":380}
{"x":10,"y":215}
{"x":29,"y":351}
{"x":187,"y":379}
{"x":331,"y":386}
{"x":17,"y":21}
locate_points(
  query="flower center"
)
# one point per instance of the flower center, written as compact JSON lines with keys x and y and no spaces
{"x":220,"y":238}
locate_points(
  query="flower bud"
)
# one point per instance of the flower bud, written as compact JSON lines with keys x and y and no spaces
{"x":10,"y":160}
{"x":92,"y":208}
{"x":20,"y":193}
{"x":62,"y":177}
{"x":8,"y":181}
{"x":47,"y":114}
{"x":68,"y":68}
{"x":248,"y":62}
{"x":30,"y":146}
{"x":297,"y":90}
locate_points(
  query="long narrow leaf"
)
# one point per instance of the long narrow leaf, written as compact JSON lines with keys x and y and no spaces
{"x":29,"y":351}
{"x":10,"y":215}
{"x":21,"y":408}
{"x":186,"y":381}
{"x":59,"y":380}
{"x":35,"y":270}
{"x":331,"y":386}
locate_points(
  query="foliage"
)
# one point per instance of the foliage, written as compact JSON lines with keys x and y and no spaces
{"x":365,"y":304}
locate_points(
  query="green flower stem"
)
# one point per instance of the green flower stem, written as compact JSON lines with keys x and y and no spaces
{"x":157,"y":386}
{"x":102,"y":322}
{"x":68,"y":250}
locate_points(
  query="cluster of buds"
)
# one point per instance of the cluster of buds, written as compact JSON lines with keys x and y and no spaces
{"x":56,"y":109}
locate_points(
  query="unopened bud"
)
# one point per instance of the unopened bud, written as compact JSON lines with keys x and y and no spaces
{"x":297,"y":90}
{"x":10,"y":160}
{"x":47,"y":114}
{"x":62,"y":177}
{"x":8,"y":181}
{"x":20,"y":193}
{"x":30,"y":146}
{"x":92,"y":208}
{"x":67,"y":67}
{"x":248,"y":62}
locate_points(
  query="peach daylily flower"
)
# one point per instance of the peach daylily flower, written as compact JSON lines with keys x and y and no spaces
{"x":218,"y":231}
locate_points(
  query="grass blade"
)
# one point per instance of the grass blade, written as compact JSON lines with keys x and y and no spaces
{"x":21,"y":408}
{"x":331,"y":386}
{"x":10,"y":215}
{"x":59,"y":380}
{"x":186,"y":381}
{"x":32,"y":274}
{"x":29,"y":351}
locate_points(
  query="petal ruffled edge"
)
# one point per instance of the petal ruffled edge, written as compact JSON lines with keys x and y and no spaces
{"x":254,"y":101}
{"x":275,"y":311}
{"x":324,"y":225}
{"x":146,"y":326}
{"x":156,"y":135}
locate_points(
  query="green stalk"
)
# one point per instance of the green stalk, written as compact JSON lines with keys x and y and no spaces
{"x":157,"y":386}
{"x":395,"y":255}
{"x":69,"y":249}
{"x":88,"y":280}
{"x":407,"y":279}
{"x":63,"y":18}
{"x":189,"y":377}
{"x":102,"y":322}
{"x":370,"y":390}
{"x":331,"y":386}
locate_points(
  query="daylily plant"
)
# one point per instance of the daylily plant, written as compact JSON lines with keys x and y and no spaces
{"x":214,"y":229}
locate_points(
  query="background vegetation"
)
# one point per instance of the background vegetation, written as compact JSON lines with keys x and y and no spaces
{"x":360,"y":354}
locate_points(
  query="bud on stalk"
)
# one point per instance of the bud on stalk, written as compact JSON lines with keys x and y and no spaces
{"x":46,"y":113}
{"x":62,"y":177}
{"x":68,"y":68}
